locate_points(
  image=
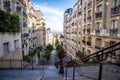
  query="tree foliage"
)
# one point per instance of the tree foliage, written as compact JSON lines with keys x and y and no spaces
{"x":48,"y":50}
{"x":57,"y":41}
{"x":61,"y":53}
{"x":9,"y":22}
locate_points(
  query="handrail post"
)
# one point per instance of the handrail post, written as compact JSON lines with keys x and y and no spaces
{"x":66,"y":72}
{"x":32,"y":64}
{"x":100,"y":71}
{"x":74,"y":70}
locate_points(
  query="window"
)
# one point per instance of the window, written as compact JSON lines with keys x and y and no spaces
{"x":6,"y":47}
{"x":89,"y":13}
{"x":98,"y":26}
{"x":116,"y":3}
{"x":16,"y":44}
{"x":99,"y":8}
{"x":114,"y":24}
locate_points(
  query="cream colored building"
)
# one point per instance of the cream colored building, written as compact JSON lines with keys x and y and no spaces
{"x":10,"y":44}
{"x":40,"y":25}
{"x":92,"y":25}
{"x":49,"y":37}
{"x":31,"y":17}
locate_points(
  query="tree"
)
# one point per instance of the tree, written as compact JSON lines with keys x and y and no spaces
{"x":48,"y":50}
{"x":61,"y":54}
{"x":57,"y":41}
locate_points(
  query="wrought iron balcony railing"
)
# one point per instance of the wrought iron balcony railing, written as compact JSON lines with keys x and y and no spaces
{"x":99,"y":15}
{"x":25,"y":35}
{"x":115,"y":10}
{"x":113,"y":32}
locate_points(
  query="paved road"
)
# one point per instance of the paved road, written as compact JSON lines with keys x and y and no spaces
{"x":53,"y":57}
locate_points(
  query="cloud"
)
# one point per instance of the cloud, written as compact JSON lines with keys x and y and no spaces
{"x":53,"y":16}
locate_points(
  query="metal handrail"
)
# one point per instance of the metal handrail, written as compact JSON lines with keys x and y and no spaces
{"x":97,"y":54}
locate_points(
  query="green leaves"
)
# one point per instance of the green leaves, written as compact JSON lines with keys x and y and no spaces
{"x":57,"y":41}
{"x":61,"y":53}
{"x":48,"y":50}
{"x":9,"y":22}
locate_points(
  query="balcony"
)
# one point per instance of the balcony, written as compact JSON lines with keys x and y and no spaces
{"x":99,"y":15}
{"x":113,"y":32}
{"x":97,"y":1}
{"x":115,"y":10}
{"x":89,"y":18}
{"x":25,"y":35}
{"x":24,"y":24}
{"x":89,"y":4}
{"x":18,"y":9}
{"x":7,"y":6}
{"x":24,"y":13}
{"x":97,"y":47}
{"x":97,"y":31}
{"x":88,"y":31}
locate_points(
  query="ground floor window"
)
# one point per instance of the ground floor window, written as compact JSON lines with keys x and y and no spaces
{"x":6,"y":48}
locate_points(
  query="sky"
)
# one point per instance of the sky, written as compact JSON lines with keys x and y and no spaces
{"x":53,"y":11}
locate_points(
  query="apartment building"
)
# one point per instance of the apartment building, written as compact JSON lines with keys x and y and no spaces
{"x":31,"y":17}
{"x":49,"y":37}
{"x":94,"y":25}
{"x":40,"y":25}
{"x":10,"y":44}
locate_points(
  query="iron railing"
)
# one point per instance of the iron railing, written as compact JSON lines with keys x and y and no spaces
{"x":100,"y":55}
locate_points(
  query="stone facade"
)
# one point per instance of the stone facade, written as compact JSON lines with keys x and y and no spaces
{"x":49,"y":37}
{"x":91,"y":25}
{"x":40,"y":26}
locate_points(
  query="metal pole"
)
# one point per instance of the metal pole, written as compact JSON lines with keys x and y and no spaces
{"x":100,"y":72}
{"x":74,"y":71}
{"x":32,"y":64}
{"x":66,"y":72}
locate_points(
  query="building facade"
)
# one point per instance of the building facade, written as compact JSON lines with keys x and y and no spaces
{"x":32,"y":29}
{"x":40,"y":25}
{"x":11,"y":43}
{"x":49,"y":37}
{"x":92,"y":25}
